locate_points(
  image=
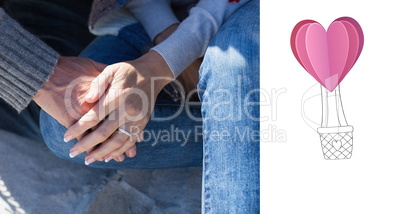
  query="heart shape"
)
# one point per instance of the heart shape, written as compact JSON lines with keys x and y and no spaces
{"x":327,"y":55}
{"x":336,"y":144}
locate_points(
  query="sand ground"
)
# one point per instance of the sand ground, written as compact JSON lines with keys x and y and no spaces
{"x":33,"y":180}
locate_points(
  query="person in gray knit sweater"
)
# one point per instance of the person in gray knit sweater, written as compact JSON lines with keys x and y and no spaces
{"x":102,"y":112}
{"x":27,"y":61}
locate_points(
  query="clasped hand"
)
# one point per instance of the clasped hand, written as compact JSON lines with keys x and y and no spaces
{"x":124,"y":96}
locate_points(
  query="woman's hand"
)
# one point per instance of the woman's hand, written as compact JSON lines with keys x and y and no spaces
{"x":126,"y":93}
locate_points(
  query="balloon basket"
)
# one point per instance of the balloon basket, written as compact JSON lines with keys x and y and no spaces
{"x":336,"y":142}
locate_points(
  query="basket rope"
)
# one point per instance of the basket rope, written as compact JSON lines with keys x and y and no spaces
{"x":335,"y":145}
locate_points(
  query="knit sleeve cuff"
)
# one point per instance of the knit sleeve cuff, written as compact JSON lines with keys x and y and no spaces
{"x":178,"y":52}
{"x":189,"y":41}
{"x":26,"y":63}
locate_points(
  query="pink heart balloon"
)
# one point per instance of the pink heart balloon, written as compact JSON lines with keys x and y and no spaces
{"x":327,"y":56}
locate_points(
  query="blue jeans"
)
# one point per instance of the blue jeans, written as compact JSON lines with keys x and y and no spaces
{"x":221,"y":135}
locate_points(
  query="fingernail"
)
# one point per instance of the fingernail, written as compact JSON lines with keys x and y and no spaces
{"x":142,"y":136}
{"x":132,"y":152}
{"x":120,"y":158}
{"x":74,"y":153}
{"x":108,"y":158}
{"x":67,"y":138}
{"x":89,"y":161}
{"x":89,"y":95}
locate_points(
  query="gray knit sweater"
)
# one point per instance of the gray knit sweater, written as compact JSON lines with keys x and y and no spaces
{"x":25,"y":63}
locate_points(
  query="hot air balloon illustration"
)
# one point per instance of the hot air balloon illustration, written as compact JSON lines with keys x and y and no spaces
{"x":328,"y":56}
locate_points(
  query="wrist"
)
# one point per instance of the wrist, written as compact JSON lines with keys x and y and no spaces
{"x":165,"y":34}
{"x":43,"y":94}
{"x":156,"y":69}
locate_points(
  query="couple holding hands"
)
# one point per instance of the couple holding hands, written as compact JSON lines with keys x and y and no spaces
{"x":154,"y":65}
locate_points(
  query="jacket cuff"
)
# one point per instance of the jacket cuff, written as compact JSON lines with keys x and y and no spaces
{"x":26,"y":63}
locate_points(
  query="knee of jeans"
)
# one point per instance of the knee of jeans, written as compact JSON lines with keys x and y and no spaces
{"x":235,"y":49}
{"x":53,"y":134}
{"x":230,"y":62}
{"x":230,"y":74}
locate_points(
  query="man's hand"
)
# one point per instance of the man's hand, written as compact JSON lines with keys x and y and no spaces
{"x":63,"y":96}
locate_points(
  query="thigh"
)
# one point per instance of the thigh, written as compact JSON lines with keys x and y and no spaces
{"x":171,"y":139}
{"x":229,"y":83}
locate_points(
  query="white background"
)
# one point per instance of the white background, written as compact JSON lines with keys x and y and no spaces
{"x":295,"y":178}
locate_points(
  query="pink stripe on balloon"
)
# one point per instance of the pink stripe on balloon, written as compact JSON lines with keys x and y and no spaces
{"x":301,"y":49}
{"x":317,"y":50}
{"x":353,"y":48}
{"x":296,"y":29}
{"x":338,"y":50}
{"x":359,"y":30}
